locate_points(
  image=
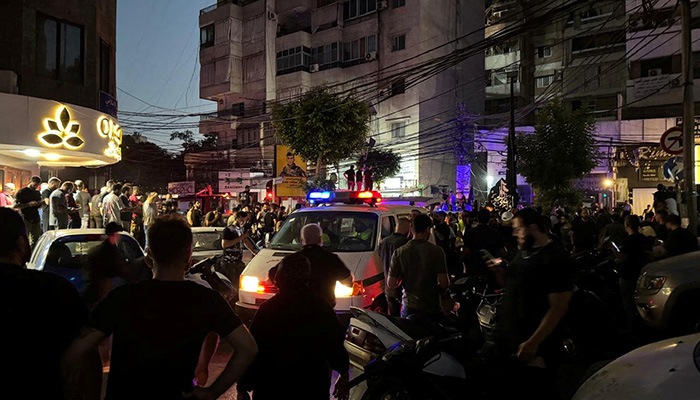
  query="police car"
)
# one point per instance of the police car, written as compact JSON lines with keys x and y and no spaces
{"x":353,"y":223}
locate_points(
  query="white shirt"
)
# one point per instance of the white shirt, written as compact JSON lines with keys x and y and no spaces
{"x":111,"y":206}
{"x":82,"y":199}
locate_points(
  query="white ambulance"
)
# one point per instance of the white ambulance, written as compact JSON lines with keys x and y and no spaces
{"x":353,"y":223}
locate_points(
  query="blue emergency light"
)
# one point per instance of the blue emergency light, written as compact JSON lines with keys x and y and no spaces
{"x":319,"y":195}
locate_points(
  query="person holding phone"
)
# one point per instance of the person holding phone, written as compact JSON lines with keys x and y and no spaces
{"x":538,"y":289}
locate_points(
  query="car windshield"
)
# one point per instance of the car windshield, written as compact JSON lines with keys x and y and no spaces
{"x":342,"y":231}
{"x":72,"y":251}
{"x":206,"y":241}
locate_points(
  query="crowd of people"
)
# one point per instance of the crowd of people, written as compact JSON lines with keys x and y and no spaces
{"x":60,"y":204}
{"x":160,"y":326}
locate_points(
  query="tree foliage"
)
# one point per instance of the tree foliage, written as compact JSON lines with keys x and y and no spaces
{"x":190,"y":143}
{"x":384,"y":163}
{"x":561,"y":150}
{"x":322,"y":126}
{"x":148,"y":165}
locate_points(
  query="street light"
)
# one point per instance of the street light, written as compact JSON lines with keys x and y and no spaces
{"x":608,"y":183}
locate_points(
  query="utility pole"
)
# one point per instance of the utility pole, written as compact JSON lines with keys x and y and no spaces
{"x":512,"y":175}
{"x":688,"y":121}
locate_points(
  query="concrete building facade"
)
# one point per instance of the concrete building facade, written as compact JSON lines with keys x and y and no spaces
{"x":55,"y":56}
{"x":257,"y":52}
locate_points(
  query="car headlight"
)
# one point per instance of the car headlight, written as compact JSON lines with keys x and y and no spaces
{"x":346,"y":291}
{"x":342,"y":290}
{"x":250,"y":284}
{"x":651,"y":284}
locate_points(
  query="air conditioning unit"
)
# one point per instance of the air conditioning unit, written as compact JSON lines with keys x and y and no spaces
{"x":381,"y":5}
{"x":314,"y":68}
{"x":655,"y":72}
{"x":372,"y":55}
{"x":271,"y":16}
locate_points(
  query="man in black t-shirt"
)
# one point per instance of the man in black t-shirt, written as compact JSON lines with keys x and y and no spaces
{"x":584,"y":231}
{"x":294,"y":325}
{"x":482,"y":237}
{"x":326,"y":267}
{"x":634,"y":254}
{"x":28,"y":201}
{"x":539,"y":288}
{"x":679,"y":240}
{"x":244,"y":197}
{"x":41,"y":314}
{"x":159,"y":326}
{"x":350,"y":176}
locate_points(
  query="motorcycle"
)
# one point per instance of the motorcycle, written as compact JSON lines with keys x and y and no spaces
{"x":370,"y":333}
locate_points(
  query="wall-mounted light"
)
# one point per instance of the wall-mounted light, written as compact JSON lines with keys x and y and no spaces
{"x":32,"y":152}
{"x":52,"y":156}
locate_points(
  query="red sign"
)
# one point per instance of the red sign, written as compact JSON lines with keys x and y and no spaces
{"x":672,"y":140}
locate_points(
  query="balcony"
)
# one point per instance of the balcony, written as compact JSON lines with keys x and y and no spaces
{"x":224,"y":3}
{"x":499,"y":61}
{"x":499,"y":91}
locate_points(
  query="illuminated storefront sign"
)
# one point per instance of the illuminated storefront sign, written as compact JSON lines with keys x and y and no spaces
{"x":113,"y":133}
{"x":44,"y":132}
{"x":61,"y":131}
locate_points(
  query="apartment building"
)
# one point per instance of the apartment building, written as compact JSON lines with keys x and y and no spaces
{"x":579,"y":58}
{"x":256,"y":52}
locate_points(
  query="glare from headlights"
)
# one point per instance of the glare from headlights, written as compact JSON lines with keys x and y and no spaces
{"x":342,"y":290}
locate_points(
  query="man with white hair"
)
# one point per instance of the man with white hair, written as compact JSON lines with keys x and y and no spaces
{"x":326,"y":267}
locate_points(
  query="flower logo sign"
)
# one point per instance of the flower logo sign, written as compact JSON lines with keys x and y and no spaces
{"x":61,"y":131}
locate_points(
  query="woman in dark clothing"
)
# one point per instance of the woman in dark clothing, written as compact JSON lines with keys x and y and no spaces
{"x":296,"y":325}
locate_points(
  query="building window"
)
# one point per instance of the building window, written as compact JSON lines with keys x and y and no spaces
{"x":544,"y":51}
{"x":59,"y":49}
{"x":398,"y":87}
{"x":294,"y":59}
{"x":238,"y":110}
{"x":206,"y":36}
{"x":606,"y":42}
{"x":358,"y":49}
{"x":398,"y":43}
{"x":105,"y":67}
{"x":398,"y":3}
{"x":357,"y":8}
{"x":544,"y":81}
{"x":326,"y":54}
{"x":398,"y":130}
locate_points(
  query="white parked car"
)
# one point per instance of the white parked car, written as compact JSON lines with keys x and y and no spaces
{"x":664,"y":370}
{"x":352,"y":231}
{"x":64,"y":252}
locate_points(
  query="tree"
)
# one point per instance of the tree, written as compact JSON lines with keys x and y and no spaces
{"x":561,"y":150}
{"x":148,"y":165}
{"x":322,"y":126}
{"x":384,"y":163}
{"x":190,"y":144}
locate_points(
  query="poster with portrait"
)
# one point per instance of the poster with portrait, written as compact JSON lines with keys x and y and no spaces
{"x":292,"y":169}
